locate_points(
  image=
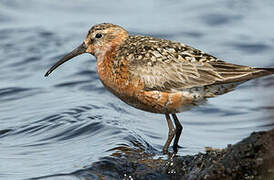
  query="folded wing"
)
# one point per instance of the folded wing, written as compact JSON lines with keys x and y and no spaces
{"x":177,"y":72}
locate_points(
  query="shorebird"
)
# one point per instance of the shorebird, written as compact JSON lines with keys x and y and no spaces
{"x":157,"y":75}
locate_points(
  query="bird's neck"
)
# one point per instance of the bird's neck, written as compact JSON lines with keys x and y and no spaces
{"x":105,"y":67}
{"x":114,"y":73}
{"x":103,"y":53}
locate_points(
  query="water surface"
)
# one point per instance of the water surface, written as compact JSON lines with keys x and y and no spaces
{"x":66,"y":122}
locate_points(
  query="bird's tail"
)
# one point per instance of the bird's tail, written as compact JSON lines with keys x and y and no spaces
{"x":267,"y":70}
{"x":263,"y":71}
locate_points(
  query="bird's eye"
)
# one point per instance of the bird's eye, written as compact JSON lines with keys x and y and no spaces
{"x":98,"y":35}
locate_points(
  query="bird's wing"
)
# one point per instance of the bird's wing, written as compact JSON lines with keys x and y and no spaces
{"x":174,"y":66}
{"x":184,"y":75}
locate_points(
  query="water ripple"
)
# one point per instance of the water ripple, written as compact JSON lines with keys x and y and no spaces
{"x":251,"y":48}
{"x":15,"y":93}
{"x":219,"y":19}
{"x":68,"y":127}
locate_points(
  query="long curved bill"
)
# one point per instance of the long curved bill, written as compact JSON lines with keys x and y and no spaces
{"x":77,"y":51}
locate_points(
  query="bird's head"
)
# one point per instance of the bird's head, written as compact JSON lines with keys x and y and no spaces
{"x":100,"y":39}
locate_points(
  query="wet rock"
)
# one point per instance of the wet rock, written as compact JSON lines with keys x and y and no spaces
{"x":252,"y":158}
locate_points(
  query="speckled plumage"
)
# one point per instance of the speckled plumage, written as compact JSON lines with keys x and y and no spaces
{"x":158,"y":75}
{"x":165,"y":65}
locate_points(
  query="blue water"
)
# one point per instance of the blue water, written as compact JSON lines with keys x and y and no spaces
{"x":66,"y":122}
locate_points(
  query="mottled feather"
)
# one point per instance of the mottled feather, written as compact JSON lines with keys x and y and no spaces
{"x":167,"y":66}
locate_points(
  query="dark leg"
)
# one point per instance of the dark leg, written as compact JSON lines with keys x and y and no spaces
{"x":171,"y":134}
{"x":178,"y":132}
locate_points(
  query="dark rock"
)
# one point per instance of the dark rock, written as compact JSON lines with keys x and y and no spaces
{"x":252,"y":158}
